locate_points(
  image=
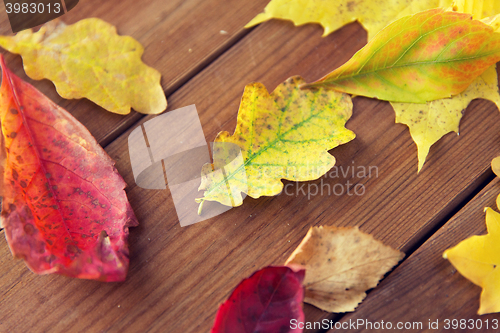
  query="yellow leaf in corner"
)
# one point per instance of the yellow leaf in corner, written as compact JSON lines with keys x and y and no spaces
{"x":282,"y":135}
{"x":495,"y":166}
{"x":374,"y":15}
{"x":88,"y":59}
{"x":431,"y":121}
{"x":341,"y":265}
{"x":478,"y":259}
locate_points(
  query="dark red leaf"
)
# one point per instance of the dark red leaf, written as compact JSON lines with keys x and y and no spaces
{"x":64,"y":208}
{"x":266,"y":302}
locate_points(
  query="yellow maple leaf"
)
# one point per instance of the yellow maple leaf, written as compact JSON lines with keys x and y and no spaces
{"x":374,"y":15}
{"x":431,"y":121}
{"x":341,"y":265}
{"x":493,"y":21}
{"x":88,"y":59}
{"x":282,"y":135}
{"x":478,"y":259}
{"x":478,"y":8}
{"x":495,"y":166}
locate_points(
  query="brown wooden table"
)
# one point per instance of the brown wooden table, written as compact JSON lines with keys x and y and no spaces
{"x":179,"y":275}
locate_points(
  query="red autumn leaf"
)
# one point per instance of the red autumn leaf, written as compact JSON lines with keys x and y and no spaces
{"x":64,"y":208}
{"x":266,"y":302}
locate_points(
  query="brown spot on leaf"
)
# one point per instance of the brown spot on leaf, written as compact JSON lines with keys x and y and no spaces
{"x":29,"y":229}
{"x":72,"y":249}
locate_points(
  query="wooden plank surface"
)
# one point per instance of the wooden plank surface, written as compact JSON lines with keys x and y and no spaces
{"x":179,"y":276}
{"x":427,"y":287}
{"x":179,"y":37}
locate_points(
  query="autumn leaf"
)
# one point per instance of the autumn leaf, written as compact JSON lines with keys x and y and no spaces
{"x":64,"y":209}
{"x":341,"y":265}
{"x":282,"y":135}
{"x":374,"y":15}
{"x":431,"y":121}
{"x":478,"y":8}
{"x":266,"y":302}
{"x":478,"y":259}
{"x":495,"y":166}
{"x":420,"y":58}
{"x":88,"y":59}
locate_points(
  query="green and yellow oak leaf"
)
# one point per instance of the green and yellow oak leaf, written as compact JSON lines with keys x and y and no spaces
{"x":420,"y":58}
{"x":88,"y":59}
{"x":282,"y":135}
{"x":478,"y":259}
{"x":431,"y":121}
{"x":341,"y":265}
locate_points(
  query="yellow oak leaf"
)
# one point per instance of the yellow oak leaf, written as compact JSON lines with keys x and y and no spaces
{"x":478,"y":259}
{"x":431,"y":121}
{"x":341,"y":265}
{"x":88,"y":59}
{"x":282,"y":135}
{"x":374,"y":15}
{"x":495,"y":166}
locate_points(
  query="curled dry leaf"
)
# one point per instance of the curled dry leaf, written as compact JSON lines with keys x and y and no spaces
{"x":478,"y":259}
{"x":266,"y":302}
{"x":430,"y":55}
{"x":88,"y":59}
{"x":282,"y":135}
{"x":64,"y":209}
{"x":341,"y":265}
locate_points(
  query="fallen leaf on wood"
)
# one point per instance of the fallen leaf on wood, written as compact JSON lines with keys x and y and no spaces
{"x":430,"y":55}
{"x":495,"y":166}
{"x":374,"y":15}
{"x":64,"y":209}
{"x":341,"y":265}
{"x":478,"y":8}
{"x":478,"y":259}
{"x":282,"y":135}
{"x":266,"y":302}
{"x":88,"y":59}
{"x":493,"y":21}
{"x":431,"y":121}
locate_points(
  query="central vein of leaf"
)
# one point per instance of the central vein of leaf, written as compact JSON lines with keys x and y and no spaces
{"x":41,"y":166}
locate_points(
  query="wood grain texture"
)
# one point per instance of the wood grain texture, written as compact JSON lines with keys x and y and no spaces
{"x":426,"y":286}
{"x":179,"y":276}
{"x":179,"y":37}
